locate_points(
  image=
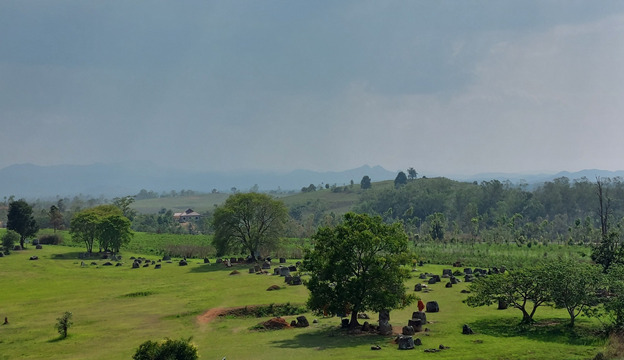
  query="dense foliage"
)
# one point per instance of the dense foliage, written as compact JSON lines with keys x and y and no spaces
{"x":524,"y":289}
{"x":166,"y":350}
{"x":557,"y":211}
{"x":20,"y":219}
{"x":8,"y":240}
{"x":574,"y":286}
{"x":63,"y":324}
{"x":357,"y":266}
{"x":104,"y":223}
{"x":248,"y":223}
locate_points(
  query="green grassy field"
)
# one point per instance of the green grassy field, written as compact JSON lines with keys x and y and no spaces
{"x":489,"y":255}
{"x":117,"y":308}
{"x":327,"y":200}
{"x":199,"y":202}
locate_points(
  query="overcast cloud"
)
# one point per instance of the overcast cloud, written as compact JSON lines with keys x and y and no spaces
{"x":446,"y":87}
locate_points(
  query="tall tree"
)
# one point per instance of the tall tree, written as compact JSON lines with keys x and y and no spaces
{"x":247,"y":222}
{"x":104,"y":223}
{"x":357,"y":266}
{"x":366,"y":182}
{"x":609,"y":251}
{"x":20,"y":219}
{"x":123,"y":203}
{"x":84,"y":227}
{"x":411,"y":173}
{"x":401,"y":179}
{"x":114,"y":231}
{"x":574,"y":286}
{"x":56,"y":217}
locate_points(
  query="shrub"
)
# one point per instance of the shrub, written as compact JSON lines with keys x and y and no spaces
{"x":9,"y":239}
{"x":64,"y":323}
{"x":166,"y":349}
{"x":50,"y":239}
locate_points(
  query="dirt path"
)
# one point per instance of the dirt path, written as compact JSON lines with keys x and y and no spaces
{"x":211,"y":314}
{"x":214,"y":313}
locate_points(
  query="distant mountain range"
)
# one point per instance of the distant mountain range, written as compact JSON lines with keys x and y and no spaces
{"x":110,"y":180}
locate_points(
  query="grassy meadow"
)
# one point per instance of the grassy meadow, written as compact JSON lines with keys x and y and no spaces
{"x":198,"y":202}
{"x":117,"y":308}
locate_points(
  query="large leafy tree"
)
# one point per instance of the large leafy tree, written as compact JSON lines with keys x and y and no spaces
{"x":525,"y":289}
{"x":20,"y":219}
{"x":357,"y":266}
{"x":574,"y":286}
{"x":114,"y":231}
{"x":56,"y":217}
{"x":104,"y":223}
{"x":247,"y":223}
{"x":401,"y":179}
{"x":366,"y":182}
{"x":83,"y":227}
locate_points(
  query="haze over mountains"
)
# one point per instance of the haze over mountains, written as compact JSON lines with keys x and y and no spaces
{"x":120,"y":179}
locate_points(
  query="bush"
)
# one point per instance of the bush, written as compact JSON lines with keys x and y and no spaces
{"x":50,"y":239}
{"x":166,"y":349}
{"x":64,"y":323}
{"x":9,"y":239}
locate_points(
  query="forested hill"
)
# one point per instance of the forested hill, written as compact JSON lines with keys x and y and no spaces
{"x":557,"y":210}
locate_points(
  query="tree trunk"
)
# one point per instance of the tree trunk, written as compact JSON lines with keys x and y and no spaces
{"x":22,"y":242}
{"x":354,"y":320}
{"x":526,"y":318}
{"x":572,"y":317}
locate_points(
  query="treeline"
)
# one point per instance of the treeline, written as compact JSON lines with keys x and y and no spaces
{"x":442,"y":209}
{"x":150,"y":194}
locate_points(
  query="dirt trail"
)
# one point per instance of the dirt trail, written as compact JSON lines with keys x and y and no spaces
{"x":211,"y":314}
{"x":214,"y":313}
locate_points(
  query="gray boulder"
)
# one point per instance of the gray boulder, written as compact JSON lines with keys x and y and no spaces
{"x":432,"y":306}
{"x":466,"y":330}
{"x":408,"y":330}
{"x":406,"y":343}
{"x":415,"y":324}
{"x":420,"y":315}
{"x":384,"y":323}
{"x":302,"y":321}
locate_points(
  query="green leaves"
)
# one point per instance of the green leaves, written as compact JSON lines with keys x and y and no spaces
{"x":567,"y":284}
{"x":104,"y":223}
{"x":248,"y":222}
{"x":21,"y":220}
{"x":357,"y":265}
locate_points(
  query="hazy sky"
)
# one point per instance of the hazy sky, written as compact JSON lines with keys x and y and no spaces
{"x":446,"y":87}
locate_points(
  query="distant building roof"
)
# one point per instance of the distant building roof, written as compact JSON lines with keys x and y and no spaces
{"x":188,"y":212}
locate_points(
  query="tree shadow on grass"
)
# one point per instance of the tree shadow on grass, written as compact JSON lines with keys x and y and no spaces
{"x":550,"y":330}
{"x":74,"y":255}
{"x":329,"y":338}
{"x":58,"y":338}
{"x":213,"y":267}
